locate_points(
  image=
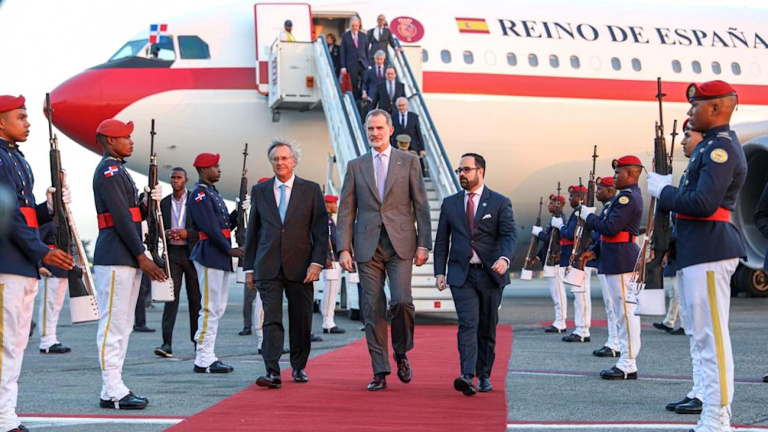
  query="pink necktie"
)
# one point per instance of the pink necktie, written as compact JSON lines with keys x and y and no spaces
{"x":354,"y":36}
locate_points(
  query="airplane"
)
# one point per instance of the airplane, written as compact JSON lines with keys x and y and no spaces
{"x":531,"y":86}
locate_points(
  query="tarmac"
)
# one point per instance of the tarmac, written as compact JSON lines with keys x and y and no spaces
{"x":550,"y":384}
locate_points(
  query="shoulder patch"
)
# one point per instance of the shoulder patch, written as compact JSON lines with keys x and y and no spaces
{"x":111,"y":171}
{"x":624,"y":200}
{"x":719,"y":155}
{"x":200,"y":196}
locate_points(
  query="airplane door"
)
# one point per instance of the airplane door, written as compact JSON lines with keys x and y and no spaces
{"x":269,"y":19}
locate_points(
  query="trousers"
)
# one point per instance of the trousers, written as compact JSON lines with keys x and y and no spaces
{"x":557,"y":291}
{"x":628,"y":323}
{"x":214,"y":286}
{"x":610,"y":314}
{"x":52,"y":292}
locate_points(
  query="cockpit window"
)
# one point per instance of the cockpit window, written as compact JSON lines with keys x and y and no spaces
{"x":192,"y":47}
{"x":162,"y":50}
{"x":131,"y":49}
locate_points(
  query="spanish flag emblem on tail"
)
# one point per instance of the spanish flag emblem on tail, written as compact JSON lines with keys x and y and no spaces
{"x":472,"y":25}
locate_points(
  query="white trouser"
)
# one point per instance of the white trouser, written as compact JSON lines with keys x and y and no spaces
{"x":258,"y":318}
{"x":52,"y":290}
{"x":610,"y":315}
{"x":707,"y":301}
{"x":673,"y":311}
{"x":17,"y":303}
{"x":557,"y":291}
{"x":627,"y":322}
{"x":582,"y":304}
{"x":117,"y":289}
{"x":696,"y":390}
{"x":214,"y":290}
{"x":330,"y":291}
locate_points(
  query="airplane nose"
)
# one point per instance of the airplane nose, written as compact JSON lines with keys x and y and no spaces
{"x":78,"y":108}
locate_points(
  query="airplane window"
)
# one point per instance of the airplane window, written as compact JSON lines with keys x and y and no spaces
{"x":163,"y":50}
{"x":696,"y":66}
{"x":676,"y":66}
{"x":445,"y":55}
{"x":716,"y":68}
{"x":130,"y":49}
{"x":736,"y":68}
{"x":511,"y":59}
{"x":192,"y":47}
{"x":554,"y":61}
{"x":533,"y":60}
{"x":615,"y":63}
{"x":424,"y":56}
{"x":636,"y":65}
{"x":575,"y":62}
{"x":469,"y":58}
{"x":490,"y":58}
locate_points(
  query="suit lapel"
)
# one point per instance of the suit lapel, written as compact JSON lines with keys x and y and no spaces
{"x":395,"y":163}
{"x":298,"y":190}
{"x":269,"y":197}
{"x":461,"y":210}
{"x":482,"y":204}
{"x":369,"y":175}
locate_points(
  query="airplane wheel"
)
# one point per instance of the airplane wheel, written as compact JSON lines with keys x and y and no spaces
{"x":754,"y":282}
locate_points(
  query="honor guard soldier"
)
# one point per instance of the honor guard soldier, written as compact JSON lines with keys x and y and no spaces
{"x":212,"y":256}
{"x":604,"y":192}
{"x":21,"y":250}
{"x":556,"y":287}
{"x":53,"y":288}
{"x":118,"y":259}
{"x":618,"y":252}
{"x":708,"y":244}
{"x":582,"y":301}
{"x":330,"y":278}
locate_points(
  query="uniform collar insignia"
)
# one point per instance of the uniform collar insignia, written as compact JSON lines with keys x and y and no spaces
{"x":10,"y":145}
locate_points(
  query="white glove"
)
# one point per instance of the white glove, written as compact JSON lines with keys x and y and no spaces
{"x":557,"y":222}
{"x":49,"y":198}
{"x":536,"y":230}
{"x":66,"y":195}
{"x":586,"y":211}
{"x":247,"y":203}
{"x":155,"y":193}
{"x":657,"y":183}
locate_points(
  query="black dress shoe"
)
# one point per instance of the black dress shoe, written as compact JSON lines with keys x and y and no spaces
{"x":32,"y":328}
{"x":553,"y":329}
{"x":245,"y":332}
{"x":404,"y":371}
{"x":270,"y":381}
{"x":215,"y":367}
{"x":378,"y":383}
{"x":164,"y":351}
{"x":573,"y":337}
{"x":19,"y":428}
{"x":615,"y":373}
{"x":130,"y":401}
{"x":678,"y":331}
{"x":56,"y":349}
{"x":606,"y":352}
{"x":143,"y":329}
{"x":300,"y":376}
{"x":672,"y":405}
{"x":334,"y":330}
{"x":465,"y":385}
{"x":765,"y":378}
{"x":694,"y":406}
{"x":484,"y":384}
{"x":662,"y":326}
{"x":314,"y":338}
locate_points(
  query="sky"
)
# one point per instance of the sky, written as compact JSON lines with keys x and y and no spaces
{"x":45,"y":42}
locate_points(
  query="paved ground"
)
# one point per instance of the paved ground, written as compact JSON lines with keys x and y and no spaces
{"x":548,"y":381}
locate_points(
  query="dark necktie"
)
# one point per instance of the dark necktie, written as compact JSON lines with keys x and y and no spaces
{"x":470,"y":213}
{"x":379,"y":68}
{"x":402,"y":120}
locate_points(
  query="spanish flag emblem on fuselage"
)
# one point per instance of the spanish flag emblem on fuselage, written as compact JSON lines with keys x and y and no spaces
{"x":472,"y":25}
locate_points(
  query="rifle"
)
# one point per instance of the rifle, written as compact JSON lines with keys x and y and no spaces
{"x":242,"y":217}
{"x":574,"y":274}
{"x":83,"y":305}
{"x":554,"y":238}
{"x":648,"y":271}
{"x":156,"y":231}
{"x":526,"y":274}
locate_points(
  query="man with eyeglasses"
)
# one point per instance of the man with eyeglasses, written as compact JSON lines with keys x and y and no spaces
{"x":479,"y":226}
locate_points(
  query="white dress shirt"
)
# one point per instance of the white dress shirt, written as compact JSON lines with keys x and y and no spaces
{"x":179,"y":216}
{"x":476,"y":201}
{"x":288,"y":188}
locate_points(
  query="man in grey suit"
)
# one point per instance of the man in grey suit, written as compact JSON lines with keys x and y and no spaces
{"x":479,"y":227}
{"x":383,"y":195}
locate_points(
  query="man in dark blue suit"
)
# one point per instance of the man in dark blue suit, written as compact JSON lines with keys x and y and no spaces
{"x":408,"y":123}
{"x":388,"y":92}
{"x":375,"y":75}
{"x":354,"y":54}
{"x":479,"y":225}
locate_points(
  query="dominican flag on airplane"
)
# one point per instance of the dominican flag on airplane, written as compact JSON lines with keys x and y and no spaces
{"x":200,"y":196}
{"x":112,"y":170}
{"x":157,"y":32}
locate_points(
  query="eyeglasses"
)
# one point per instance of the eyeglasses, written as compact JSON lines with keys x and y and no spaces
{"x":465,"y":170}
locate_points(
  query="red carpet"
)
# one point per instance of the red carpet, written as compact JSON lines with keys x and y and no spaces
{"x":335,"y":399}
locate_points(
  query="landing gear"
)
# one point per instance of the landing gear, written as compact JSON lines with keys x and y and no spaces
{"x":753,"y":282}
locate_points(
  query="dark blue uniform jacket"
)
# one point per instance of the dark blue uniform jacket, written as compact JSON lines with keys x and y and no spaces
{"x":212,"y":220}
{"x":621,"y":219}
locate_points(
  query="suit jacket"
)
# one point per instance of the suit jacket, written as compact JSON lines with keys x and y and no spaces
{"x":412,"y":129}
{"x":494,"y":236}
{"x":381,"y":99}
{"x":165,"y":208}
{"x":362,"y":213}
{"x":294,"y":244}
{"x":351,"y":57}
{"x":371,"y":79}
{"x":380,"y":43}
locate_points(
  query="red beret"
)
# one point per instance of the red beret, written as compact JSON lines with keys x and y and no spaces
{"x":625,"y":161}
{"x":205,"y":160}
{"x":577,"y":188}
{"x":115,"y":128}
{"x":331,"y":198}
{"x":8,"y":103}
{"x":554,"y":197}
{"x":605,"y":181}
{"x":263,"y":179}
{"x":709,"y":90}
{"x":686,"y":126}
